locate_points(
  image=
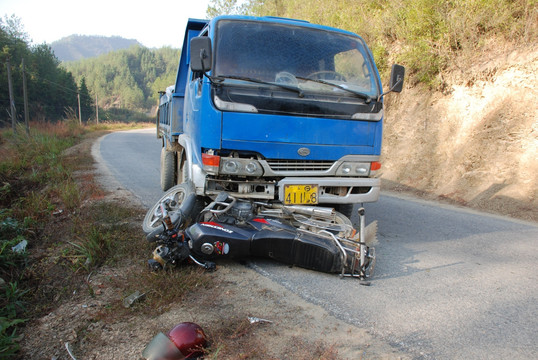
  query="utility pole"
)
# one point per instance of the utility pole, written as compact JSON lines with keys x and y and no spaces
{"x":96,"y":109}
{"x":79,"y":113}
{"x":11,"y":99}
{"x":25,"y":91}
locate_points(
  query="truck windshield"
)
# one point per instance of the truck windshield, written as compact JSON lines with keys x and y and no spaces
{"x":332,"y":70}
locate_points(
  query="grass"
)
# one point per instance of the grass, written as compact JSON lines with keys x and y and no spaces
{"x":92,"y":250}
{"x":11,"y":305}
{"x":41,"y":203}
{"x":50,"y":198}
{"x":28,"y":165}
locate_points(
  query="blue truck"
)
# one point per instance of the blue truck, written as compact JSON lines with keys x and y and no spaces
{"x":274,"y":109}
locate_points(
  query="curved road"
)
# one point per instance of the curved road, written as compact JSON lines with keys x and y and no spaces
{"x":449,"y":283}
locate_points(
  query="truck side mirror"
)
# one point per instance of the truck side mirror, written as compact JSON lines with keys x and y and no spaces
{"x":396,"y":78}
{"x":200,"y":54}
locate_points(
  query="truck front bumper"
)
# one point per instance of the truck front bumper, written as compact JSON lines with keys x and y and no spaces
{"x":339,"y":190}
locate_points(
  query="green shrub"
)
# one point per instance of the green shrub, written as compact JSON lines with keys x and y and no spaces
{"x":423,"y":35}
{"x":92,"y":248}
{"x":11,"y":234}
{"x":11,"y":305}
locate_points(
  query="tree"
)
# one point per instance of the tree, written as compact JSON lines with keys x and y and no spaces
{"x":13,"y":27}
{"x":126,"y":78}
{"x":225,"y":7}
{"x":51,"y":89}
{"x":14,"y":49}
{"x":86,"y":101}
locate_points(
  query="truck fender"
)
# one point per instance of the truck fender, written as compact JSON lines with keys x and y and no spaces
{"x":186,"y":144}
{"x":193,"y":164}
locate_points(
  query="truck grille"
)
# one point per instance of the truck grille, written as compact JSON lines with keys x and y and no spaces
{"x":299,"y":165}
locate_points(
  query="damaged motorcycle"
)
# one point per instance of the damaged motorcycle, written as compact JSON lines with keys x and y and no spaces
{"x":311,"y":237}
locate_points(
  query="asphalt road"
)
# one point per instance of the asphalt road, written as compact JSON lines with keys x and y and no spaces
{"x":449,"y":283}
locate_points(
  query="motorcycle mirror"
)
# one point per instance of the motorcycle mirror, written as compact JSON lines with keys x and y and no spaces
{"x":155,"y":235}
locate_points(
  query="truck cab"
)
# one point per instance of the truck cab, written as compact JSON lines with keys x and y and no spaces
{"x":276,"y":110}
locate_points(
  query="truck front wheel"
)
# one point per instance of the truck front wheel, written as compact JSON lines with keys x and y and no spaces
{"x":182,"y":174}
{"x":168,"y":169}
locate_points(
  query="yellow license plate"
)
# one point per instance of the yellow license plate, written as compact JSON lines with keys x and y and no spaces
{"x":300,"y":194}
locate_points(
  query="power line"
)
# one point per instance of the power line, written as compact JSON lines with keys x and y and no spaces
{"x":61,"y":86}
{"x":52,"y":82}
{"x":12,"y":104}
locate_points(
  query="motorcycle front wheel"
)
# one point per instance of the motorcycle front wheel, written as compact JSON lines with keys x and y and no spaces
{"x":171,"y":200}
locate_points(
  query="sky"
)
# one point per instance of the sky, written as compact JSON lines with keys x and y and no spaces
{"x":153,"y":23}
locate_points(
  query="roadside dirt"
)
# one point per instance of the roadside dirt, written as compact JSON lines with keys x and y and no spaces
{"x":297,"y":330}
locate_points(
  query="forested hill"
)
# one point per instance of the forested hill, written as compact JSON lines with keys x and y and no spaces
{"x":129,"y":78}
{"x":76,"y":47}
{"x":125,"y":82}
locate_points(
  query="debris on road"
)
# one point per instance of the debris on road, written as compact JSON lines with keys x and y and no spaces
{"x":69,"y":351}
{"x":134,"y":297}
{"x":254,"y":320}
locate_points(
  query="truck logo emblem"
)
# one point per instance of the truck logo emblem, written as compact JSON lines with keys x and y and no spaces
{"x":303,"y":151}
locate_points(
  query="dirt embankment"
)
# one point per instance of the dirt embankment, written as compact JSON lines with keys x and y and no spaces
{"x":476,"y":143}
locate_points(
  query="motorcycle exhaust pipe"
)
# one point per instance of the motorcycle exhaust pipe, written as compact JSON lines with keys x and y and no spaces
{"x":325,"y":213}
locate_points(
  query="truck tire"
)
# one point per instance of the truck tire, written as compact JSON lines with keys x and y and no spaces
{"x":181,"y":168}
{"x":345,"y":209}
{"x":168,"y":169}
{"x":153,"y":218}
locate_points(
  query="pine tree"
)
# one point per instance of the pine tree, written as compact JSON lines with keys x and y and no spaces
{"x":86,"y":103}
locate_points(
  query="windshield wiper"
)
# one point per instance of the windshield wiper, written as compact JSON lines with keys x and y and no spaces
{"x":366,"y":97}
{"x":221,"y":78}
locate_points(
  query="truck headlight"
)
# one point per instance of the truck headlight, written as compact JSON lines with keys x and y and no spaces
{"x":230,"y":167}
{"x":243,"y":167}
{"x":362,"y":169}
{"x":349,"y":168}
{"x":251,"y":167}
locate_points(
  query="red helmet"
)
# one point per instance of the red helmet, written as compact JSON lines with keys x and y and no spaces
{"x":189,"y":338}
{"x":185,"y":341}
